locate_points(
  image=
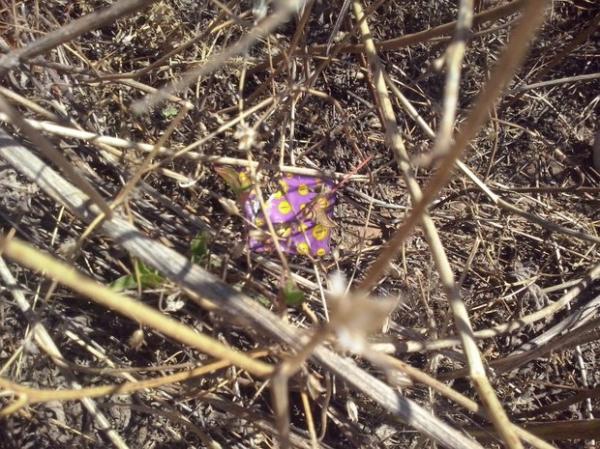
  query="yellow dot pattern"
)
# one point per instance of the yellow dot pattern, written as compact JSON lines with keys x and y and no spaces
{"x":303,"y":248}
{"x":284,"y":207}
{"x":303,"y":189}
{"x":320,"y":232}
{"x":297,"y":231}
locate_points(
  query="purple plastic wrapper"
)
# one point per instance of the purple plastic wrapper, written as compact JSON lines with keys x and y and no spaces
{"x":291,"y":211}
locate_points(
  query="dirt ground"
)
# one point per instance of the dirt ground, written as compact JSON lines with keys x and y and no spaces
{"x":519,"y":241}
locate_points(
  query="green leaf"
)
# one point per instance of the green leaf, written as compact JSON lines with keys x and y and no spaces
{"x":291,"y":294}
{"x":149,"y":278}
{"x":169,"y":112}
{"x":123,"y":283}
{"x":199,"y":247}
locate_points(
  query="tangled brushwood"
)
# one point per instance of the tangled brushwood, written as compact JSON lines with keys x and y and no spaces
{"x":299,"y":224}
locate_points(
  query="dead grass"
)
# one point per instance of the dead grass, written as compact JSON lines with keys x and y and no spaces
{"x":518,"y":223}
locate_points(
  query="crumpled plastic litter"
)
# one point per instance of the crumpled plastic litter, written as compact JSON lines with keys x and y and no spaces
{"x":301,"y":212}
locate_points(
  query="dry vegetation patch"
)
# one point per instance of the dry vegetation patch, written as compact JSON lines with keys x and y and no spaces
{"x":496,"y":276}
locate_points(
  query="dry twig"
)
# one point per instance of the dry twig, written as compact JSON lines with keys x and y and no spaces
{"x":66,"y":33}
{"x":509,"y":62}
{"x":46,"y":342}
{"x":180,"y":270}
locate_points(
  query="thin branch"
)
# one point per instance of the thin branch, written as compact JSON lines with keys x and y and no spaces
{"x":577,"y":318}
{"x":136,"y":310}
{"x":92,"y":21}
{"x":179,"y":269}
{"x":454,"y":56}
{"x":495,"y":198}
{"x":581,"y":335}
{"x":509,"y":62}
{"x":264,"y":28}
{"x":45,"y":341}
{"x":36,"y":395}
{"x":568,"y":48}
{"x":585,"y":429}
{"x":117,"y":142}
{"x":562,"y":404}
{"x":441,"y":31}
{"x":596,"y":151}
{"x":48,"y":150}
{"x":215,"y":25}
{"x":448,"y":28}
{"x":554,"y":82}
{"x":417,"y":375}
{"x":512,"y":326}
{"x":341,"y":16}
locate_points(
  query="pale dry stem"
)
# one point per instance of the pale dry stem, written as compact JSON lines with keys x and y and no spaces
{"x":495,"y":198}
{"x":116,"y":142}
{"x":48,"y":150}
{"x":70,"y":31}
{"x":137,"y":311}
{"x":264,"y":28}
{"x":512,"y":326}
{"x":179,"y":269}
{"x":419,"y":376}
{"x":46,"y":342}
{"x":453,"y":60}
{"x":509,"y":62}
